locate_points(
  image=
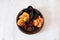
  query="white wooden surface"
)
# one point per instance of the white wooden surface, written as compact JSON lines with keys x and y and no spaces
{"x":9,"y":10}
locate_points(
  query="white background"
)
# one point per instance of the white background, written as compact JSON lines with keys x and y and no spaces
{"x":9,"y":10}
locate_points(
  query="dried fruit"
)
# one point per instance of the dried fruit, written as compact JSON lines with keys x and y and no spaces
{"x":29,"y":29}
{"x":38,"y":22}
{"x":23,"y":18}
{"x":20,"y":22}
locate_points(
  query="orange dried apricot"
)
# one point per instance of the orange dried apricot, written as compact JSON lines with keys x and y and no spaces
{"x":38,"y":22}
{"x":23,"y":18}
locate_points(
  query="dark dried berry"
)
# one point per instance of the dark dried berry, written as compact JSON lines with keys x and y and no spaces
{"x":29,"y":29}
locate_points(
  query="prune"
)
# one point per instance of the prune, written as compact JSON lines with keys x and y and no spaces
{"x":31,"y":15}
{"x":30,"y":8}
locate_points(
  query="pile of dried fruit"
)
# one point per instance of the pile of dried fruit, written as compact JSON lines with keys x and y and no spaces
{"x":38,"y":22}
{"x":23,"y":18}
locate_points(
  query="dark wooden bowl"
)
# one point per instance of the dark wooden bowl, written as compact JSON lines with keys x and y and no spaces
{"x":33,"y":14}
